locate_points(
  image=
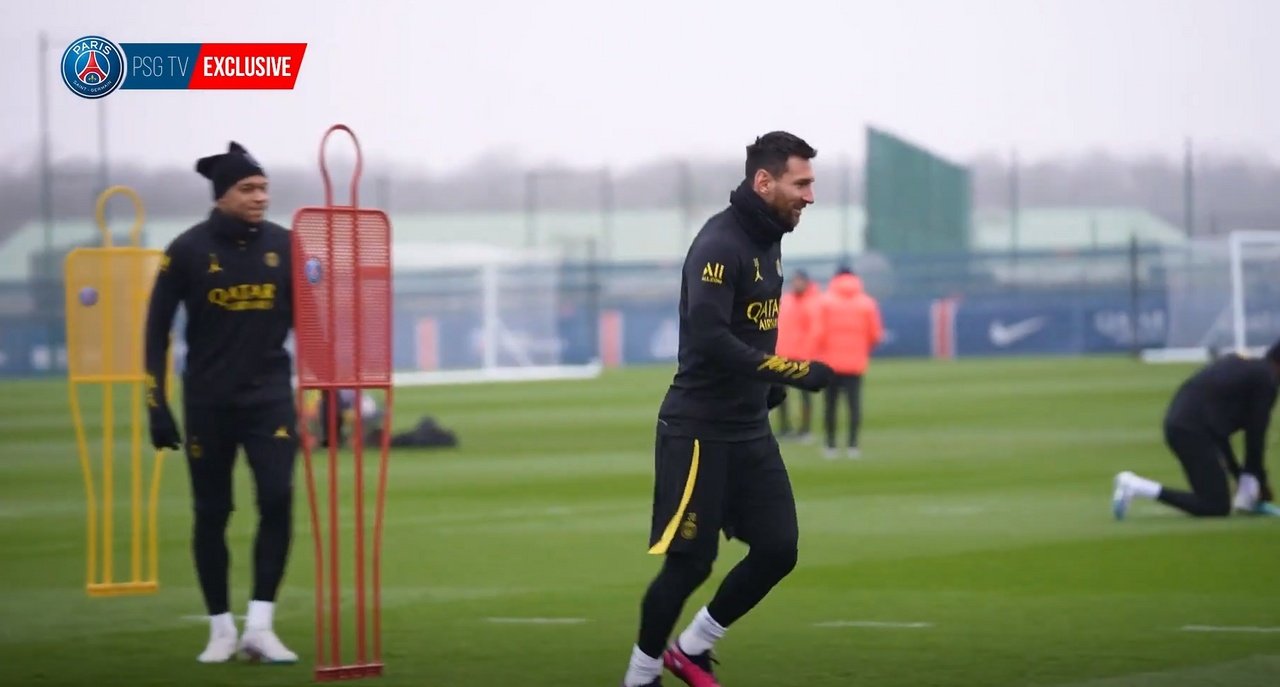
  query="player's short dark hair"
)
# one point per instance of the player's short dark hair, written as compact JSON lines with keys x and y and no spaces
{"x":1273,"y":353}
{"x":771,"y":151}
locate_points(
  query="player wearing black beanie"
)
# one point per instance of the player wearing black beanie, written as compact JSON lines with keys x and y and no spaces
{"x":231,"y":272}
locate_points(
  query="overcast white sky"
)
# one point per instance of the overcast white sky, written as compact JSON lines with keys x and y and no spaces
{"x":589,"y":82}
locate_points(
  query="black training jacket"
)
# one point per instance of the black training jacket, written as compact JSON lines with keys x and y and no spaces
{"x":729,"y":294}
{"x":234,"y":281}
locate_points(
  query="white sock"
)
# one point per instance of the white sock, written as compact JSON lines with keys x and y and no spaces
{"x":1248,"y":491}
{"x":260,"y":614}
{"x":701,"y":634}
{"x":222,"y":625}
{"x":1249,"y":485}
{"x":1144,"y":488}
{"x":643,"y":669}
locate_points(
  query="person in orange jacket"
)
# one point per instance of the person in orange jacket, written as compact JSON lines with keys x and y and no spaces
{"x":795,"y":325}
{"x":846,"y":328}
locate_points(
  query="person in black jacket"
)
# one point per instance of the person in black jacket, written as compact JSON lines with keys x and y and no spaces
{"x":231,"y":273}
{"x":717,"y":464}
{"x":1231,"y":394}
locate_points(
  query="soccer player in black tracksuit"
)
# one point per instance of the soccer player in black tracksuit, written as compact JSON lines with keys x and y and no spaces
{"x":717,"y":464}
{"x":1229,"y":395}
{"x":231,"y":272}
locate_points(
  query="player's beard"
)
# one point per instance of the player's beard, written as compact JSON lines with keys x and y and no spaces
{"x":765,"y":210}
{"x":786,"y":216}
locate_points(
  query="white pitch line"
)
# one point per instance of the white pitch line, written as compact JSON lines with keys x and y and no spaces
{"x":946,"y":511}
{"x":537,"y":621}
{"x":1229,"y":628}
{"x":205,"y":618}
{"x":874,"y":624}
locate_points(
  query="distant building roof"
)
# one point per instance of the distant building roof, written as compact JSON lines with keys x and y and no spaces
{"x":653,"y":235}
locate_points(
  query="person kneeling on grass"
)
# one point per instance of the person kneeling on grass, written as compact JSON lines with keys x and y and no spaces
{"x":1228,"y":395}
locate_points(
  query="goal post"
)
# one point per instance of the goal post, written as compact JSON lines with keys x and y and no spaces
{"x":482,"y":314}
{"x":1222,"y":295}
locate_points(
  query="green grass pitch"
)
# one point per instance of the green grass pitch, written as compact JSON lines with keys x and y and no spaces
{"x":972,"y":545}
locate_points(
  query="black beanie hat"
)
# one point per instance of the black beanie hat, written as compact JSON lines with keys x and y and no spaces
{"x":229,"y":168}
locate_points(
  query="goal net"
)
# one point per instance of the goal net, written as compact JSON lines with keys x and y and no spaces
{"x":1222,"y":295}
{"x":484,"y":314}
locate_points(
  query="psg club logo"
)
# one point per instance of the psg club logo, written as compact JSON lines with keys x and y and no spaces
{"x":92,"y":67}
{"x":312,"y":269}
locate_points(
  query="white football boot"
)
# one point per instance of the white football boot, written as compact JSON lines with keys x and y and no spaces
{"x":1247,"y":493}
{"x":261,"y":645}
{"x":1121,"y":494}
{"x":222,"y":641}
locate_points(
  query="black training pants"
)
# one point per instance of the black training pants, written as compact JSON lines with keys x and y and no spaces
{"x":806,"y":410}
{"x":267,"y":433}
{"x":704,"y":488}
{"x":1203,"y":463}
{"x":850,"y":386}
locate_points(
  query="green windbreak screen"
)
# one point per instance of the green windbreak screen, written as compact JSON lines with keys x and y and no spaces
{"x":917,"y":202}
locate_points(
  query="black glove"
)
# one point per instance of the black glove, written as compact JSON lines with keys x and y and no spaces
{"x":164,"y":430}
{"x":818,"y":377}
{"x":777,"y":394}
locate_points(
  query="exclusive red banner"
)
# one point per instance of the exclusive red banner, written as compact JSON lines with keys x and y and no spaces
{"x":247,"y":66}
